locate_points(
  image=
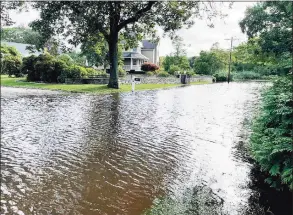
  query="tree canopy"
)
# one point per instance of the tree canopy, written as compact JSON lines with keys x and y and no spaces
{"x":79,"y":21}
{"x":271,"y":21}
{"x":20,"y":35}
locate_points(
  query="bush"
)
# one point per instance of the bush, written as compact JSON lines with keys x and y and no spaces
{"x":190,"y":73}
{"x":247,"y":75}
{"x":146,"y":67}
{"x":28,"y":64}
{"x":121,"y":71}
{"x":10,"y":60}
{"x":149,"y":73}
{"x":48,"y":68}
{"x":11,"y":65}
{"x":222,"y":76}
{"x":173,"y":69}
{"x":91,"y":71}
{"x":271,"y":139}
{"x":72,"y":72}
{"x":163,"y":74}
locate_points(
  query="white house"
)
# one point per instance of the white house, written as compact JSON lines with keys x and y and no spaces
{"x":145,"y":52}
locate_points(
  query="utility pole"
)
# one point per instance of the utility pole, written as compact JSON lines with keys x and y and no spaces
{"x":230,"y":58}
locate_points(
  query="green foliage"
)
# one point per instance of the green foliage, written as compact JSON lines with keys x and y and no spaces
{"x":149,"y":73}
{"x":271,"y":140}
{"x":208,"y":63}
{"x":179,"y":61}
{"x":91,"y":71}
{"x":11,"y":65}
{"x":274,"y":26}
{"x":6,"y":6}
{"x":20,"y":35}
{"x":66,"y":59}
{"x":173,"y":69}
{"x":44,"y":68}
{"x":28,"y":64}
{"x":121,"y":71}
{"x":72,"y":72}
{"x":10,"y":61}
{"x":190,"y":73}
{"x":247,"y":75}
{"x":222,"y":75}
{"x":77,"y":58}
{"x":129,"y":19}
{"x":163,"y":74}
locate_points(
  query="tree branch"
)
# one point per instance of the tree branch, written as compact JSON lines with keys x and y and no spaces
{"x":137,"y":15}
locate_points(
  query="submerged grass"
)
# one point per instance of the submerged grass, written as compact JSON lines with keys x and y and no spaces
{"x":82,"y":88}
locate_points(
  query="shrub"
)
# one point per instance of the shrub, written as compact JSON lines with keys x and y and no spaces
{"x":28,"y":64}
{"x":121,"y":71}
{"x":72,"y":72}
{"x":146,"y":67}
{"x":222,"y":76}
{"x":173,"y":69}
{"x":190,"y":73}
{"x":11,"y":65}
{"x":247,"y":75}
{"x":163,"y":74}
{"x":149,"y":73}
{"x":48,"y":68}
{"x":10,"y":60}
{"x":91,"y":71}
{"x":271,"y":139}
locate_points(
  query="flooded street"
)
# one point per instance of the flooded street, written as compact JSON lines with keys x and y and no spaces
{"x":182,"y":148}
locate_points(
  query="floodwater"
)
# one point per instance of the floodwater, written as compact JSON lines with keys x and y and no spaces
{"x":175,"y":151}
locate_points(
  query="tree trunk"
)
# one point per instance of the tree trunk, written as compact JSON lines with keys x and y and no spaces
{"x":113,"y":60}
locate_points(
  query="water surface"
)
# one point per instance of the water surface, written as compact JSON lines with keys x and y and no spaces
{"x":126,"y":153}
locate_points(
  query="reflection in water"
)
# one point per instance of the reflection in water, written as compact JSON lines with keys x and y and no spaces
{"x":126,"y":153}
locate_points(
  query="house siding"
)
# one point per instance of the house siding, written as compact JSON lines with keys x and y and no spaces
{"x":149,"y":54}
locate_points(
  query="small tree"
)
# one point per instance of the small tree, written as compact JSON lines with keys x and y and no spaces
{"x":133,"y":20}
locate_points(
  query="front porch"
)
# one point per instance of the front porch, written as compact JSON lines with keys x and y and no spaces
{"x":133,"y":61}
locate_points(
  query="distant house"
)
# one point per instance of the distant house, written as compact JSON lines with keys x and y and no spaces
{"x":21,"y":47}
{"x":145,"y":52}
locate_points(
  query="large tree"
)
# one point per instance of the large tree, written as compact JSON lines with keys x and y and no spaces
{"x":272,"y":22}
{"x":81,"y":20}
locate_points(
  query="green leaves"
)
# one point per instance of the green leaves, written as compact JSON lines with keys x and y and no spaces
{"x":272,"y":22}
{"x":271,"y":140}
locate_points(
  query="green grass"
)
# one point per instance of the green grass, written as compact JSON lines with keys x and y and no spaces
{"x":83,"y":88}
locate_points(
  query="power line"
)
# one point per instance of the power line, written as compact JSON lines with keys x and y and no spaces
{"x":230,"y":57}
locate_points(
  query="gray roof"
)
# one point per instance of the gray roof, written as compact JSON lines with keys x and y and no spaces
{"x":21,"y":47}
{"x":134,"y":55}
{"x":148,"y":45}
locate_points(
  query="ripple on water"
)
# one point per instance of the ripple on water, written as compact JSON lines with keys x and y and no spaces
{"x":115,"y":154}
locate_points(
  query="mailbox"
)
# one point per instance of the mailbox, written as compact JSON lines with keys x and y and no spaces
{"x":137,"y":80}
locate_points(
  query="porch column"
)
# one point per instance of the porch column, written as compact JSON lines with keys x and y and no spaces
{"x":131,"y":63}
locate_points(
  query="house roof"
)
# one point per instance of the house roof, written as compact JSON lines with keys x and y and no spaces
{"x":134,"y":55}
{"x":146,"y":44}
{"x":21,"y":47}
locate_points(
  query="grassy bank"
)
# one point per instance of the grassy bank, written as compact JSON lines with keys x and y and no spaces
{"x":82,"y":88}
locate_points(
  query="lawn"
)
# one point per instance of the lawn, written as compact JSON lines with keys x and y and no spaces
{"x":83,"y":88}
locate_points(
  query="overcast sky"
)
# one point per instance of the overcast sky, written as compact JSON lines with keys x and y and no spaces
{"x":198,"y":37}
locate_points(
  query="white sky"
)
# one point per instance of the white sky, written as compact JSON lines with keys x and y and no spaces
{"x":198,"y":37}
